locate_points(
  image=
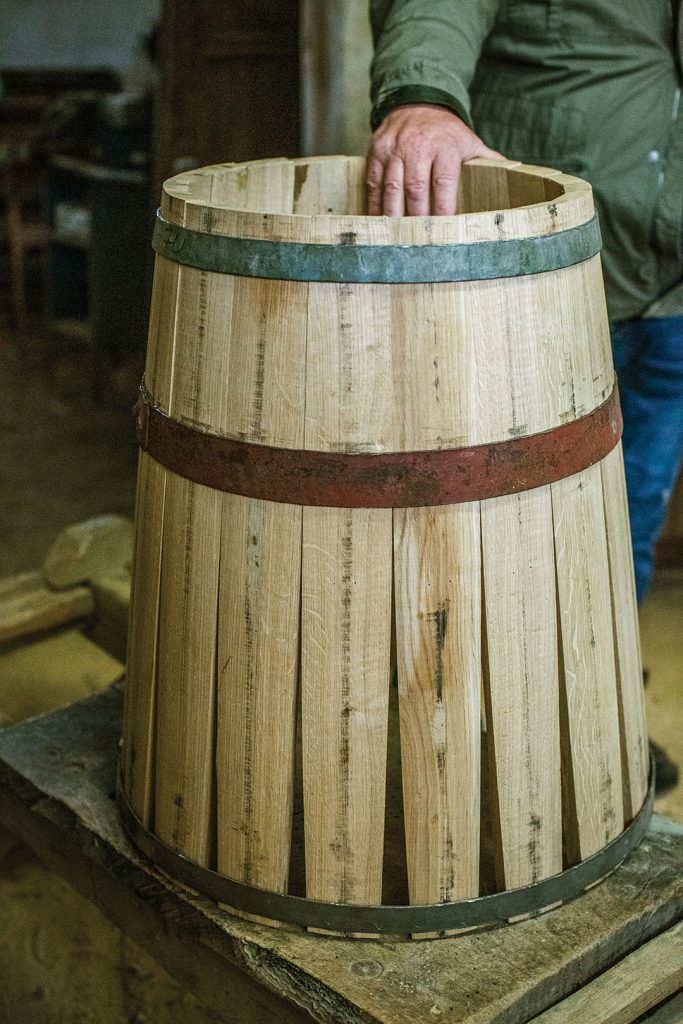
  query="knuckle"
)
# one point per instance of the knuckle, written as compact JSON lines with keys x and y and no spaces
{"x":416,"y":189}
{"x":393,"y":187}
{"x":444,"y":180}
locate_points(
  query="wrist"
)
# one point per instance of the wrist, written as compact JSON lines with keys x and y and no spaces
{"x":417,"y":95}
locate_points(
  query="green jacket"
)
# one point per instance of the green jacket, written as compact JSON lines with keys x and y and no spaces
{"x":591,"y":87}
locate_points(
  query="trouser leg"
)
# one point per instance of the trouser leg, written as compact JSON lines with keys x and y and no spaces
{"x":648,"y":356}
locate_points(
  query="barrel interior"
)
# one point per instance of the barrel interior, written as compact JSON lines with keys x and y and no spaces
{"x":339,"y":187}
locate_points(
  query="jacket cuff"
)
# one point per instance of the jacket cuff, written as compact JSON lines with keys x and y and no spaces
{"x":407,"y":94}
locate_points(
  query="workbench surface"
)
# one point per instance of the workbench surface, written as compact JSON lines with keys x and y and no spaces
{"x":57,"y":777}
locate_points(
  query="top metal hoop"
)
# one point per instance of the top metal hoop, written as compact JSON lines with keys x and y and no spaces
{"x":383,"y":264}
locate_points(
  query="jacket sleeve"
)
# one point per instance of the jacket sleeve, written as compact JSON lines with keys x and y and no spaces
{"x":426,"y":51}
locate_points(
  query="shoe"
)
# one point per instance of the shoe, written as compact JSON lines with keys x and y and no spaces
{"x":666,"y":772}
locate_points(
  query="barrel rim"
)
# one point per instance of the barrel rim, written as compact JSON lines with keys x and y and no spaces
{"x":572,"y":207}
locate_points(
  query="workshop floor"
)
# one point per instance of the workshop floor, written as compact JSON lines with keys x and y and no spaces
{"x":64,"y":458}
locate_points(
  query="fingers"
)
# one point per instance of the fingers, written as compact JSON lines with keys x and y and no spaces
{"x":415,"y":161}
{"x":393,"y":194}
{"x":445,"y":180}
{"x":395,"y":189}
{"x":418,"y":187}
{"x":375,"y":183}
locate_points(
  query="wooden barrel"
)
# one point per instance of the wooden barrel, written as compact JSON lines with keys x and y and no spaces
{"x":383,"y":652}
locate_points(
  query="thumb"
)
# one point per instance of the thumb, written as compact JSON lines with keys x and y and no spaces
{"x":477,"y":147}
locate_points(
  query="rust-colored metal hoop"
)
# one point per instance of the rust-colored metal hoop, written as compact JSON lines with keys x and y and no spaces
{"x":386,"y":480}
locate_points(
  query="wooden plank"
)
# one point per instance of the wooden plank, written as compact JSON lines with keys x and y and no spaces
{"x":670,"y":1012}
{"x":187,"y":360}
{"x":112,"y":608}
{"x":486,"y":186}
{"x":591,"y":748}
{"x":138,"y":760}
{"x":51,"y":671}
{"x":201,"y":343}
{"x":345,"y":639}
{"x":628,"y":663}
{"x":260,"y":565}
{"x":56,"y":776}
{"x":346,"y":594}
{"x":629,"y":989}
{"x":258,"y":637}
{"x":323,"y":187}
{"x":520,"y":686}
{"x":186,"y":692}
{"x":520,"y":673}
{"x":437,"y":585}
{"x":137,"y":756}
{"x":184,"y":794}
{"x":28,"y":606}
{"x":175,"y":938}
{"x":438,"y":636}
{"x":82,"y":962}
{"x":160,"y":338}
{"x":86,"y":550}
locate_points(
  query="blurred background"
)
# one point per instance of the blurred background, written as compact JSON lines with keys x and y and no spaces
{"x":99,"y":103}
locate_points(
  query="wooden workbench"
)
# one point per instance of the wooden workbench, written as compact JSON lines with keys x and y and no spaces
{"x":56,"y":792}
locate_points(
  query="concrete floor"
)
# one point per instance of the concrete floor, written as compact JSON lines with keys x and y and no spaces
{"x":64,"y":458}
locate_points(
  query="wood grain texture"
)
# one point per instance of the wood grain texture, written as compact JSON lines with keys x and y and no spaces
{"x":258,"y":643}
{"x":345,"y":639}
{"x":629,"y":989}
{"x":368,"y":369}
{"x":28,"y":606}
{"x":349,"y":404}
{"x":628,"y":663}
{"x":437,"y":588}
{"x":56,"y":776}
{"x":140,"y":724}
{"x":592,"y":798}
{"x":202,"y":345}
{"x":186,"y":676}
{"x":438,"y":615}
{"x":519,"y":390}
{"x":258,"y":624}
{"x":520,"y":686}
{"x":586,"y":630}
{"x":137,"y":759}
{"x":190,"y":377}
{"x":161,"y":337}
{"x":346,"y":583}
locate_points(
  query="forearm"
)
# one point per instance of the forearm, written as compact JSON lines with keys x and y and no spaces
{"x":426,"y":51}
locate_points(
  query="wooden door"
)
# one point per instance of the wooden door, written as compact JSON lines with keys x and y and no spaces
{"x":229,"y":82}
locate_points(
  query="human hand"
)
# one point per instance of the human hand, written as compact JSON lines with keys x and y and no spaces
{"x":415,"y":160}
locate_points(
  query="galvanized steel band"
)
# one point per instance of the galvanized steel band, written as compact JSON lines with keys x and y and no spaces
{"x":349,"y":263}
{"x":383,"y":480}
{"x":389,"y":919}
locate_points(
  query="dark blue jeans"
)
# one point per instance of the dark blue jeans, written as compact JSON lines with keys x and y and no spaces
{"x":648,"y":357}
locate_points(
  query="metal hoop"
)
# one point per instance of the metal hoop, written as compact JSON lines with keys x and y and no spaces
{"x":484,"y":911}
{"x":384,"y":264}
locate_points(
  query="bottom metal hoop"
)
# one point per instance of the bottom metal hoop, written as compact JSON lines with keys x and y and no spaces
{"x":483,"y":911}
